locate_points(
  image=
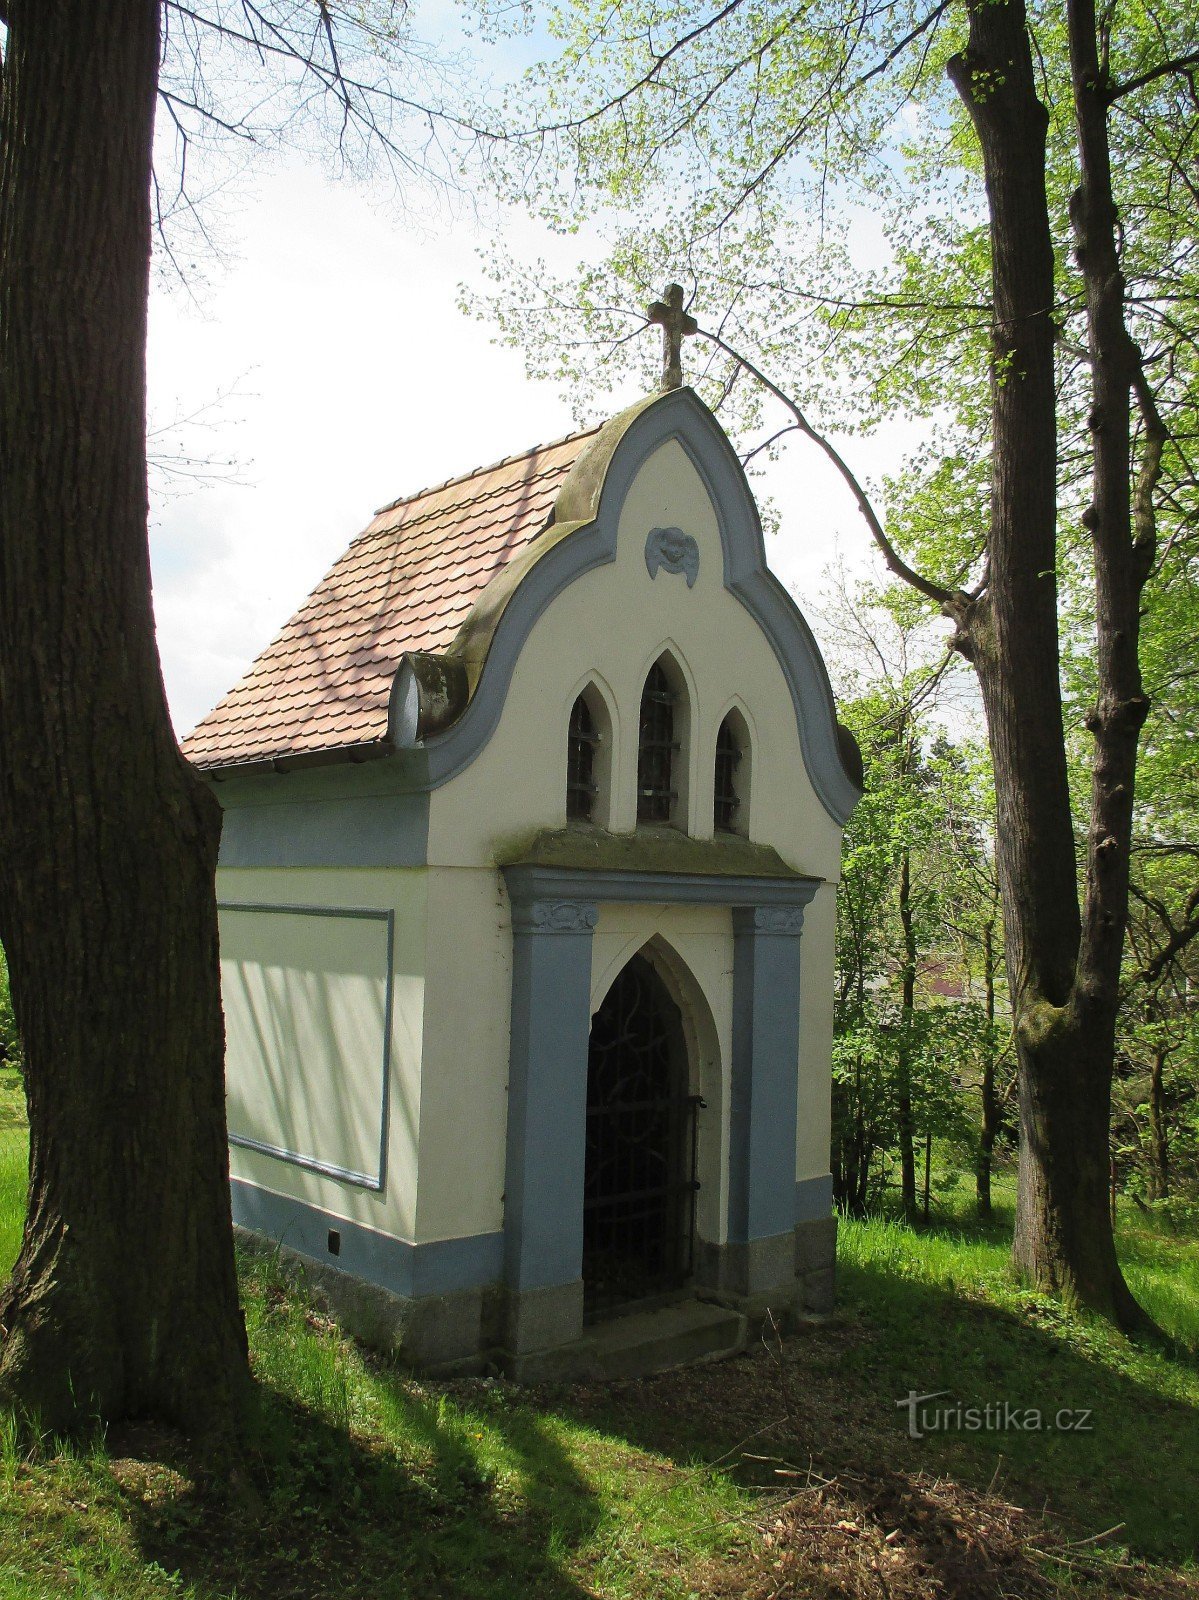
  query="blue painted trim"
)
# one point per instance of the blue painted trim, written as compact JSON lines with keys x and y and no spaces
{"x":441,"y":1266}
{"x":388,"y":775}
{"x":338,"y":831}
{"x":547,"y":1090}
{"x":364,"y":1180}
{"x":553,"y":915}
{"x":814,"y":1198}
{"x":764,"y":1076}
{"x":363,"y":913}
{"x":679,"y":415}
{"x":527,"y":884}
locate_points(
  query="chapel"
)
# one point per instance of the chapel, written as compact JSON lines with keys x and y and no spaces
{"x":532,"y":829}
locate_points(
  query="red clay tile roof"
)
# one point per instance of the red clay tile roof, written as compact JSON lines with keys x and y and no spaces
{"x":407,"y":582}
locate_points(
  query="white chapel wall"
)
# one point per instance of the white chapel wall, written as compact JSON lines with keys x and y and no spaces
{"x":614,"y":622}
{"x":464,"y":1104}
{"x":305,"y":999}
{"x":318,"y":997}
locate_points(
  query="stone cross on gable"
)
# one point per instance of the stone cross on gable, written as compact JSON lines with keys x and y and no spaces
{"x":676,"y":326}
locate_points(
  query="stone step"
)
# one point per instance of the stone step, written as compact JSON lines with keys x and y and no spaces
{"x":637,"y":1344}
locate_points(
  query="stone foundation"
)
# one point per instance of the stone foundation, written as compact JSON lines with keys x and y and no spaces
{"x":439,"y":1333}
{"x":541,"y":1319}
{"x":755,"y":1278}
{"x":533,"y":1334}
{"x":816,"y":1265}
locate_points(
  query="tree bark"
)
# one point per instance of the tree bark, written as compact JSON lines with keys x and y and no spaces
{"x":905,"y":1128}
{"x":123,"y":1301}
{"x":1159,"y":1152}
{"x":1062,"y":965}
{"x":851,"y":1152}
{"x":989,"y":1124}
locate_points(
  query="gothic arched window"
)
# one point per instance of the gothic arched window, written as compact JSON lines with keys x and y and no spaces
{"x":726,"y":797}
{"x":656,"y":747}
{"x":582,"y":739}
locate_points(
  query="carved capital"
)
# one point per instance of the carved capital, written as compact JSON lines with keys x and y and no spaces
{"x":673,"y":549}
{"x":557,"y":916}
{"x":778,"y":919}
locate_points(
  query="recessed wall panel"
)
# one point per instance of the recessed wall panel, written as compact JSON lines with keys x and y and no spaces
{"x":307,"y":996}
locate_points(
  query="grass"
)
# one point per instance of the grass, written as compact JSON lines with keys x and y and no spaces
{"x":949,"y":1315}
{"x":14,"y":1144}
{"x":1160,"y":1261}
{"x":358,"y":1479}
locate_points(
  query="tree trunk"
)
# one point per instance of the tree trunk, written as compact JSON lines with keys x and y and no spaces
{"x":989,"y":1125}
{"x":1062,"y":967}
{"x":1122,"y":563}
{"x":982,"y":1172}
{"x":905,"y":1128}
{"x":851,"y":1151}
{"x":863,"y":1147}
{"x":123,"y":1301}
{"x":1159,"y":1153}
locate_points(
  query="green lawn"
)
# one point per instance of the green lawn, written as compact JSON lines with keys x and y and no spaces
{"x":787,"y":1472}
{"x":14,"y":1145}
{"x":949,"y":1315}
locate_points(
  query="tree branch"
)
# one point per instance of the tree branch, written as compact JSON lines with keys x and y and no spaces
{"x":1144,"y":514}
{"x":897,"y":49}
{"x":646,"y":78}
{"x":896,"y":563}
{"x":1177,"y":64}
{"x":1179,"y":937}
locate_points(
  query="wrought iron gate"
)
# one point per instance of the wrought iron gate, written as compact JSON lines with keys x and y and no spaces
{"x":640,"y":1185}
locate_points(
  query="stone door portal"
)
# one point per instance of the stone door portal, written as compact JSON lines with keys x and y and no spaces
{"x":639,"y":1183}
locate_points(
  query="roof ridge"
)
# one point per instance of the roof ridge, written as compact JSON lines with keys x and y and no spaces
{"x":477,"y":472}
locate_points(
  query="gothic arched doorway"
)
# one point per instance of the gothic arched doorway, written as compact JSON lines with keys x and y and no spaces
{"x":639,"y":1183}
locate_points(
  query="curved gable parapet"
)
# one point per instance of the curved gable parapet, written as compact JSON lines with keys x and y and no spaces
{"x":582,"y":537}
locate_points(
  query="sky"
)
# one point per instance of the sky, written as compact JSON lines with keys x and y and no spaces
{"x":327,"y":358}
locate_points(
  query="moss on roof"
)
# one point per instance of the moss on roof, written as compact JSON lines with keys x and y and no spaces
{"x":648,"y":850}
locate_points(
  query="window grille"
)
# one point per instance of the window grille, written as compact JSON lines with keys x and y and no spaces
{"x":656,"y":746}
{"x":724,"y":789}
{"x":582,"y":739}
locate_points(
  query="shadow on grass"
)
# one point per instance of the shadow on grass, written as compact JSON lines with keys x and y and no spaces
{"x":314,"y":1510}
{"x":1159,"y":1259}
{"x":837,"y":1393}
{"x":1107,"y":1444}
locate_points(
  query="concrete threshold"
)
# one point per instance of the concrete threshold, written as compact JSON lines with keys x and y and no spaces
{"x":635,"y":1345}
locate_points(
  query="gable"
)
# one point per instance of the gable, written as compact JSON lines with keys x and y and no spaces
{"x":408,"y":646}
{"x":661,"y":491}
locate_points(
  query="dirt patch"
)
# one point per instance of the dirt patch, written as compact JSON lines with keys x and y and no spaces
{"x":900,"y":1536}
{"x":151,"y":1464}
{"x":786,"y":1395}
{"x":835,"y":1524}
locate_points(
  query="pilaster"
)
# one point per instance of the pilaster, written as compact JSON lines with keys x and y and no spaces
{"x":758,"y":1259}
{"x":547,"y":1119}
